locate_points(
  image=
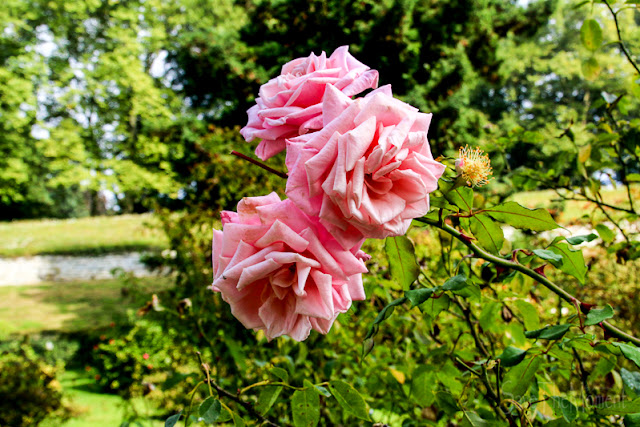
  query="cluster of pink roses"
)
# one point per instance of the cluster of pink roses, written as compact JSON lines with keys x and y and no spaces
{"x":357,"y":168}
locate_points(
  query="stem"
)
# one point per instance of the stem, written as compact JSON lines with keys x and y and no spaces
{"x":246,"y":405}
{"x":481,"y":253}
{"x":260,"y":164}
{"x":614,"y":223}
{"x":275,"y":383}
{"x":620,"y":42}
{"x":193,"y":393}
{"x":467,"y":315}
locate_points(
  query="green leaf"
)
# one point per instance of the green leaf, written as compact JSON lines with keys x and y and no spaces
{"x":422,"y":388}
{"x":461,"y":197}
{"x":225,"y":416}
{"x":631,"y":380}
{"x":489,"y":315}
{"x":572,"y":260}
{"x":383,"y":315}
{"x":520,"y":217}
{"x":418,"y":296}
{"x":620,"y":408}
{"x":349,"y":398}
{"x":402,"y":260}
{"x":305,"y":407}
{"x":511,"y":356}
{"x":591,"y":34}
{"x":550,"y":256}
{"x":596,"y":316}
{"x":321,"y":391}
{"x":562,"y":407}
{"x":590,"y":68}
{"x":518,"y":379}
{"x":529,"y":314}
{"x":434,"y":306}
{"x":576,"y":240}
{"x":279,"y":373}
{"x":267,"y":397}
{"x":455,"y":283}
{"x":605,"y":233}
{"x":237,"y":420}
{"x":209,"y":410}
{"x":472,"y":419}
{"x":447,"y":403}
{"x":633,"y":177}
{"x":173,"y":420}
{"x":632,"y":420}
{"x":554,"y":332}
{"x":488,"y":233}
{"x":630,"y":352}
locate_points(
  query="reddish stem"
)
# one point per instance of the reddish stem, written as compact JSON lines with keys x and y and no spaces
{"x":260,"y":164}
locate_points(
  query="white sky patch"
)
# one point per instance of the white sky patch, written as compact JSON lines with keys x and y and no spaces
{"x":159,"y":65}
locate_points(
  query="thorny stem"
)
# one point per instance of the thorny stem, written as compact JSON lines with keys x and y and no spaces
{"x":260,"y":164}
{"x":481,"y":253}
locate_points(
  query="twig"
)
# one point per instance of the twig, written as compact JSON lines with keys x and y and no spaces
{"x":236,"y":398}
{"x":620,"y":42}
{"x":481,"y":253}
{"x":260,"y":164}
{"x":246,"y":405}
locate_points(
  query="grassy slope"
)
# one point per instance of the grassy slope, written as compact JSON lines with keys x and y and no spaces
{"x":86,"y":235}
{"x":92,"y":408}
{"x":69,"y":307}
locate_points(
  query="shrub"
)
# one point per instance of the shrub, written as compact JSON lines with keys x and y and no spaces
{"x":29,"y":391}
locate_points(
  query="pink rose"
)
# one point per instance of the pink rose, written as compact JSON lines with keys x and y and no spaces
{"x":281,"y":271}
{"x":369,"y":171}
{"x":290,"y":105}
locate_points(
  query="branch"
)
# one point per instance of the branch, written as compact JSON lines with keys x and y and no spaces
{"x":481,"y":253}
{"x":620,"y":42}
{"x":236,"y":398}
{"x":246,"y":405}
{"x":260,"y":164}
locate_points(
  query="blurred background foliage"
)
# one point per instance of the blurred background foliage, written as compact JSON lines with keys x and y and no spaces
{"x":111,"y":107}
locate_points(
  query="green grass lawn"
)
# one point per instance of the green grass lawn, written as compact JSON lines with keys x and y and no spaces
{"x":81,"y":236}
{"x":92,"y":408}
{"x":70,"y":307}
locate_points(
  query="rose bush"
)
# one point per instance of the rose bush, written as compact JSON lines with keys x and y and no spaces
{"x":280,"y":271}
{"x":369,"y":171}
{"x":291,"y":104}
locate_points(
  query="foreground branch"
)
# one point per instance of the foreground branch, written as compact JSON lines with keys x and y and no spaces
{"x":481,"y":253}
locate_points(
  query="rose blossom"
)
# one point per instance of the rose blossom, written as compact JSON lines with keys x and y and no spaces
{"x":290,"y":105}
{"x":280,"y":271}
{"x":369,"y":171}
